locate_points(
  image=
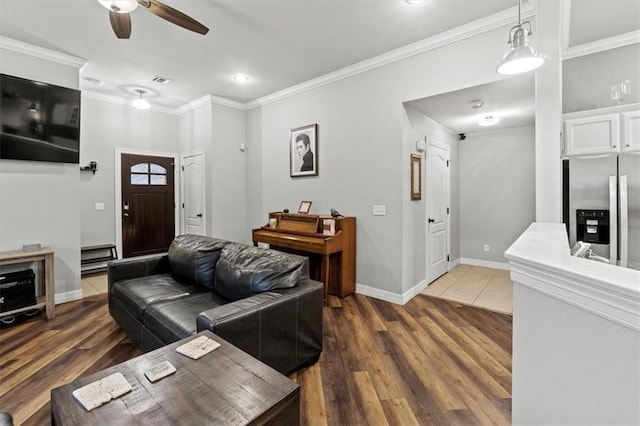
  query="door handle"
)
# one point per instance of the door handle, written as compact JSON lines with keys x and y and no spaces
{"x":199,"y":215}
{"x":431,"y":220}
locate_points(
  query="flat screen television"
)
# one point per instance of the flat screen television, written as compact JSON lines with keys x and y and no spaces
{"x":40,"y":121}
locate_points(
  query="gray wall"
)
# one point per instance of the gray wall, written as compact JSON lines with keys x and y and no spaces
{"x":104,"y":127}
{"x":497,"y":191}
{"x":363,"y":152}
{"x":218,"y":131}
{"x":38,"y":200}
{"x":434,"y":131}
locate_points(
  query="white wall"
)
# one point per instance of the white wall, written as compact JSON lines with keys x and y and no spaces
{"x":39,"y":201}
{"x":497,"y":190}
{"x":362,"y":150}
{"x":105,"y":126}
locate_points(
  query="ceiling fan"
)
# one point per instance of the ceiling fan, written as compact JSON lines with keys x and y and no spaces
{"x":121,"y":21}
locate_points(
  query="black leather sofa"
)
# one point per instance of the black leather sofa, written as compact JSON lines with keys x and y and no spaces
{"x":260,"y":300}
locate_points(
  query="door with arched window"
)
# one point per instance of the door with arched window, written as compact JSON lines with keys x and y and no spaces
{"x":148,"y":209}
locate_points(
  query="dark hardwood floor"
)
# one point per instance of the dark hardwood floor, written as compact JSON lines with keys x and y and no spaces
{"x":429,"y":362}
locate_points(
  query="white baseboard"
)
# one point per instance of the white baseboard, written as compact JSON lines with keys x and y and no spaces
{"x":454,"y":263}
{"x":484,"y":263}
{"x":388,"y":296}
{"x":68,"y":296}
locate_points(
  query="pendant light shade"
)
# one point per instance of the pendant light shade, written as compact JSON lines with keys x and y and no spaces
{"x":521,"y":57}
{"x":140,"y":103}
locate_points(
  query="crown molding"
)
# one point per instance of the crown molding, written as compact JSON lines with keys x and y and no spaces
{"x":124,"y":101}
{"x":41,"y":52}
{"x":480,"y":26}
{"x":609,"y":43}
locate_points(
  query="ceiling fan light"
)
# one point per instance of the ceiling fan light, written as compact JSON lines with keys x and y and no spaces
{"x":119,"y":6}
{"x":140,"y":104}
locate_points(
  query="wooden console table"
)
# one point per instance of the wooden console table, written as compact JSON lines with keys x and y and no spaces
{"x":44,"y":255}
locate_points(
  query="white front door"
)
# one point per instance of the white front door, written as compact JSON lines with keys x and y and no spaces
{"x":437,"y":189}
{"x":193,"y":205}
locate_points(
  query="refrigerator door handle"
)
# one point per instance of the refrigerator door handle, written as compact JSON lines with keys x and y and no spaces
{"x":613,"y":221}
{"x":624,"y":219}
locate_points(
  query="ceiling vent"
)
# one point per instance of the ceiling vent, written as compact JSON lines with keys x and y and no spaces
{"x":161,"y":80}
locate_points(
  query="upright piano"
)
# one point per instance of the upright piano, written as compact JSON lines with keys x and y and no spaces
{"x":332,"y":258}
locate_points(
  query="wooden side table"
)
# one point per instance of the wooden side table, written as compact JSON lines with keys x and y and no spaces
{"x":44,"y":255}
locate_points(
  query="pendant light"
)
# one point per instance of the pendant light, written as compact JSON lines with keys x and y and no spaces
{"x":140,"y":103}
{"x":521,"y":57}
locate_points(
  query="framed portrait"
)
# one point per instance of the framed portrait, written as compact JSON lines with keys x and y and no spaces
{"x":304,"y":208}
{"x":303,"y":151}
{"x":416,"y":177}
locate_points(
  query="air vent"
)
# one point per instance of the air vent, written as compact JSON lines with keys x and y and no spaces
{"x":161,"y":80}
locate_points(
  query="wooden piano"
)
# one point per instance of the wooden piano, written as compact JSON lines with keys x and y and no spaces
{"x":332,"y":258}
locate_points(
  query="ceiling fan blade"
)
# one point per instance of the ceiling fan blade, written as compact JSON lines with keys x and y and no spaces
{"x":174,"y":16}
{"x":121,"y":24}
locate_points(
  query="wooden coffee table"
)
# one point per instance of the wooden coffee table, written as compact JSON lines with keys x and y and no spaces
{"x":226,"y":386}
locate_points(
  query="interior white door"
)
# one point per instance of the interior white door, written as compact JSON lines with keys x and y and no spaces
{"x":437,"y":192}
{"x":193,"y":195}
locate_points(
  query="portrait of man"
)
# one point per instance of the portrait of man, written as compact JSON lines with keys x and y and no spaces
{"x":303,"y":151}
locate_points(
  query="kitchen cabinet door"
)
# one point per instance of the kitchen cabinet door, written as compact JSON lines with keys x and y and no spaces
{"x":592,"y":135}
{"x":631,"y":126}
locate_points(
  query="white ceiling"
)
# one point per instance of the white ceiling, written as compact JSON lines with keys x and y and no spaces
{"x":278,"y":43}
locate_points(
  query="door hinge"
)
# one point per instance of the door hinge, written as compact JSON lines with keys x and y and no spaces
{"x":447,"y":210}
{"x":183,"y":168}
{"x":447,"y":258}
{"x":447,"y":163}
{"x":183,"y":205}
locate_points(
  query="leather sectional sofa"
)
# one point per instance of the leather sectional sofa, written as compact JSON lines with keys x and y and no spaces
{"x":260,"y":300}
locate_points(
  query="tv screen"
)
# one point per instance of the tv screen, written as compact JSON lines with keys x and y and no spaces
{"x":40,"y":121}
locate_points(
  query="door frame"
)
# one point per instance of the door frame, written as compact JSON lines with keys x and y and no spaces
{"x":183,"y":222}
{"x":118,"y":188}
{"x":428,"y":183}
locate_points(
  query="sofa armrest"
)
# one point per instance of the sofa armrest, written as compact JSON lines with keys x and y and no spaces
{"x":282,"y":328}
{"x":125,"y":269}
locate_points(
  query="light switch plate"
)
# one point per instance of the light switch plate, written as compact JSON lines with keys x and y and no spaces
{"x":99,"y":206}
{"x":379,"y":210}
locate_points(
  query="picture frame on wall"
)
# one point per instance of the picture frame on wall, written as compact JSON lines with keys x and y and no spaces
{"x":416,"y":177}
{"x":303,"y":151}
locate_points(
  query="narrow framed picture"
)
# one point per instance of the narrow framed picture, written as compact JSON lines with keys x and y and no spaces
{"x":304,"y":208}
{"x":416,"y":177}
{"x":303,"y":151}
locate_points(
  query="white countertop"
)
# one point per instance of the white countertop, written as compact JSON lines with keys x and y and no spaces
{"x":541,"y":259}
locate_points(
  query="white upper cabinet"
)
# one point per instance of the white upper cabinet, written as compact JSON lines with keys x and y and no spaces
{"x":631,"y":127}
{"x":602,"y":131}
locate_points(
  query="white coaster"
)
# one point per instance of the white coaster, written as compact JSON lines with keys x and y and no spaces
{"x":102,"y":391}
{"x":198,"y":347}
{"x":159,"y":371}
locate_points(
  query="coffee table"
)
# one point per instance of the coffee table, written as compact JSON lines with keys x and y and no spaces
{"x":226,"y":386}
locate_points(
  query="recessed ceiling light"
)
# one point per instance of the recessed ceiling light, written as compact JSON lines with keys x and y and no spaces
{"x":241,"y":78}
{"x":489,"y":121}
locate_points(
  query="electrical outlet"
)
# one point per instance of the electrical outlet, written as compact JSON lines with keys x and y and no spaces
{"x":379,"y":210}
{"x":99,"y":206}
{"x":486,"y":248}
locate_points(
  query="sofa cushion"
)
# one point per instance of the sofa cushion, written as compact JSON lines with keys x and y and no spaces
{"x":137,"y":293}
{"x":172,"y":320}
{"x":243,"y":271}
{"x":193,"y":258}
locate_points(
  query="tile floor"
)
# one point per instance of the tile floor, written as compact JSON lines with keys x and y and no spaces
{"x":93,"y":284}
{"x":476,"y":286}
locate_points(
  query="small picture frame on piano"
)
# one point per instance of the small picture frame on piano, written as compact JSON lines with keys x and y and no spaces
{"x":304,"y":208}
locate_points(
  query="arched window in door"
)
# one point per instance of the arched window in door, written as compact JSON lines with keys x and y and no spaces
{"x":148,"y":174}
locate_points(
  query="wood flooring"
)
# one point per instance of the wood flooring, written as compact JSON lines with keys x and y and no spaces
{"x":429,"y":362}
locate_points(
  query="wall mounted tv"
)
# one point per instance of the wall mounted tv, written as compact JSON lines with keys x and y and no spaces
{"x":40,"y":121}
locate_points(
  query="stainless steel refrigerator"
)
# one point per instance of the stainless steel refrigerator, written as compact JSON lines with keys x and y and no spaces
{"x":604,"y":205}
